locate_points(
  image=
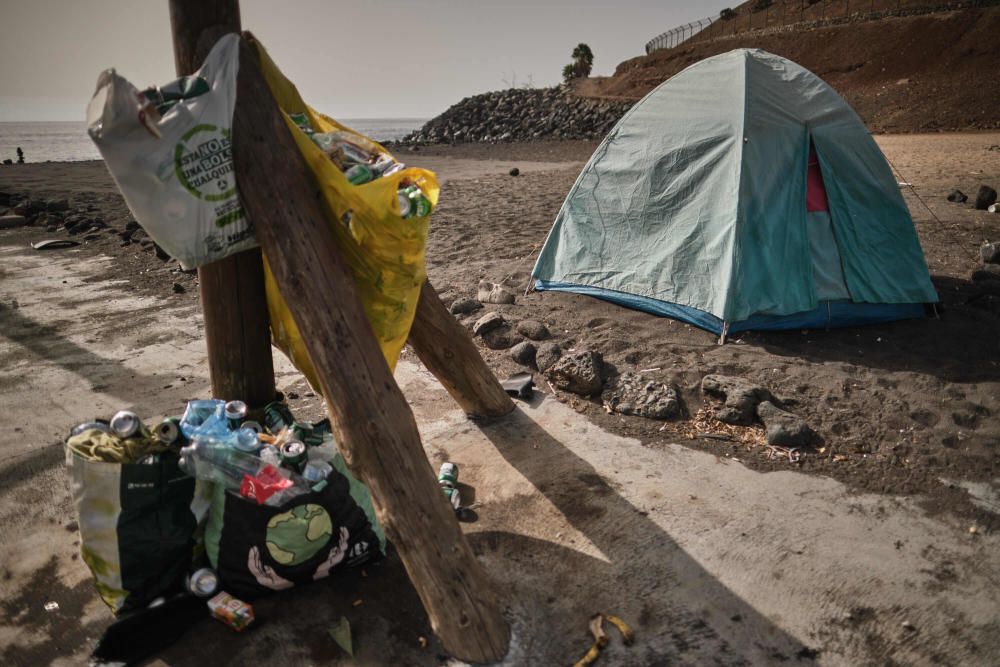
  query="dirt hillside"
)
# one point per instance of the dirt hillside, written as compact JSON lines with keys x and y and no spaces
{"x":926,"y":72}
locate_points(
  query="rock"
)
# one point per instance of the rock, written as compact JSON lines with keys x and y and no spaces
{"x":524,"y":353}
{"x":464,"y":306}
{"x":783,"y":428}
{"x":161,"y":254}
{"x":633,"y":394}
{"x":488,"y":322}
{"x":179,"y":289}
{"x":957,"y":196}
{"x":579,"y":372}
{"x":514,"y":172}
{"x":548,"y":354}
{"x":990,"y":253}
{"x":22,"y":208}
{"x":741,"y":397}
{"x":494,"y":293}
{"x":500,"y":338}
{"x":985,"y":197}
{"x":11,"y":221}
{"x":57,"y":205}
{"x":532,"y":329}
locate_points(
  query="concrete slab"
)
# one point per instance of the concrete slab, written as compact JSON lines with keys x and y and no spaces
{"x":709,"y":561}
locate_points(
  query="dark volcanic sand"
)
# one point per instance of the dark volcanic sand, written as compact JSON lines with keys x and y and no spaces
{"x":903,"y":408}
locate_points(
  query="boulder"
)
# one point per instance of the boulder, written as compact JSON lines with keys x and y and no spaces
{"x":985,"y":197}
{"x":463,"y":306}
{"x":740,"y":397}
{"x":957,"y":196}
{"x":633,"y":394}
{"x":494,"y":293}
{"x":57,"y":205}
{"x":783,"y":428}
{"x":500,"y":338}
{"x":524,"y":353}
{"x":488,"y":322}
{"x":579,"y":373}
{"x":990,"y":253}
{"x":515,"y":172}
{"x":548,"y":354}
{"x":532,"y":329}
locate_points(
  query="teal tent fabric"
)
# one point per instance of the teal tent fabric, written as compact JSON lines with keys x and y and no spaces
{"x":696,"y":199}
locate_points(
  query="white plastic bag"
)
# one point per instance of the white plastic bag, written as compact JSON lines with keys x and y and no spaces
{"x":168,"y":150}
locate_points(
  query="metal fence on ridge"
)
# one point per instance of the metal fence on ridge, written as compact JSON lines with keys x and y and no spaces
{"x":764,"y":15}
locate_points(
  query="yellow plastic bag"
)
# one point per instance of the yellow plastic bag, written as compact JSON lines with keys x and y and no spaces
{"x":385,"y":253}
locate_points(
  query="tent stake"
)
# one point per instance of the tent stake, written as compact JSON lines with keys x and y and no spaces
{"x":725,"y":332}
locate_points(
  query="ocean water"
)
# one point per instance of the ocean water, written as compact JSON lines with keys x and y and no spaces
{"x":68,"y":141}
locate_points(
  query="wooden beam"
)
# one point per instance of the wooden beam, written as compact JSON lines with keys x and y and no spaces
{"x":232,"y":290}
{"x":446,"y":349}
{"x":372,"y":423}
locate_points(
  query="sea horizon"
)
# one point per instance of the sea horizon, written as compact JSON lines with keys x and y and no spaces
{"x":68,"y":141}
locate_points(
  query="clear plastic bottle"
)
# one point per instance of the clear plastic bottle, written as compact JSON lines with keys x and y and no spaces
{"x":216,"y":460}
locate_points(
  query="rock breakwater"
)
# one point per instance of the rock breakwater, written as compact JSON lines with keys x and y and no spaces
{"x":521,"y":115}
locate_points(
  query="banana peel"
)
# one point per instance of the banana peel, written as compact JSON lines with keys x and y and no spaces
{"x":601,"y":638}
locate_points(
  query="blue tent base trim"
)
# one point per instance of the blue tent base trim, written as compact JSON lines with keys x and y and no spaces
{"x":829,"y":314}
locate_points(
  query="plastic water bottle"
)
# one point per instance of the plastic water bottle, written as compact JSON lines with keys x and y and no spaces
{"x":215,"y":460}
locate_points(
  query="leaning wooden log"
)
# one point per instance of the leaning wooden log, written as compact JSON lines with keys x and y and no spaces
{"x":448,"y":352}
{"x":373,"y":424}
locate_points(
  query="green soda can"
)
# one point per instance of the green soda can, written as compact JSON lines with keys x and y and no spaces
{"x":293,"y":455}
{"x":169,"y":433}
{"x":307,"y":433}
{"x":360,"y":174}
{"x":236,"y":413}
{"x":448,"y":473}
{"x":277,"y":416}
{"x":448,"y":479}
{"x":413,"y":203}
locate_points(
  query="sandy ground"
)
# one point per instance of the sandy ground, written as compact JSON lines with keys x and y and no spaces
{"x":715,"y":553}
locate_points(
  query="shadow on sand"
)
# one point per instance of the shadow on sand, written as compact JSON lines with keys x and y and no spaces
{"x":683,"y":614}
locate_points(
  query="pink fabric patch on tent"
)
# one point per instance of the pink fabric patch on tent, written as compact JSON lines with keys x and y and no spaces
{"x":815,"y":190}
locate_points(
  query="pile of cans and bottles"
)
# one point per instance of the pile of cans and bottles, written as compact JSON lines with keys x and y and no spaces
{"x":362,"y":161}
{"x":269,"y":463}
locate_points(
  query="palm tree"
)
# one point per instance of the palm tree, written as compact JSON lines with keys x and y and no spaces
{"x":583,"y":60}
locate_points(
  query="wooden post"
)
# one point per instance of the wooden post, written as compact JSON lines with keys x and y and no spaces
{"x":448,"y":352}
{"x":373,"y":424}
{"x":237,"y":329}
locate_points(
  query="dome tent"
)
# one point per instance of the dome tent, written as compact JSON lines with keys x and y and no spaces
{"x":694,"y":207}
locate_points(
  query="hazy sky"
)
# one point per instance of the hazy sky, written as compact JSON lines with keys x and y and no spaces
{"x":389,"y":59}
